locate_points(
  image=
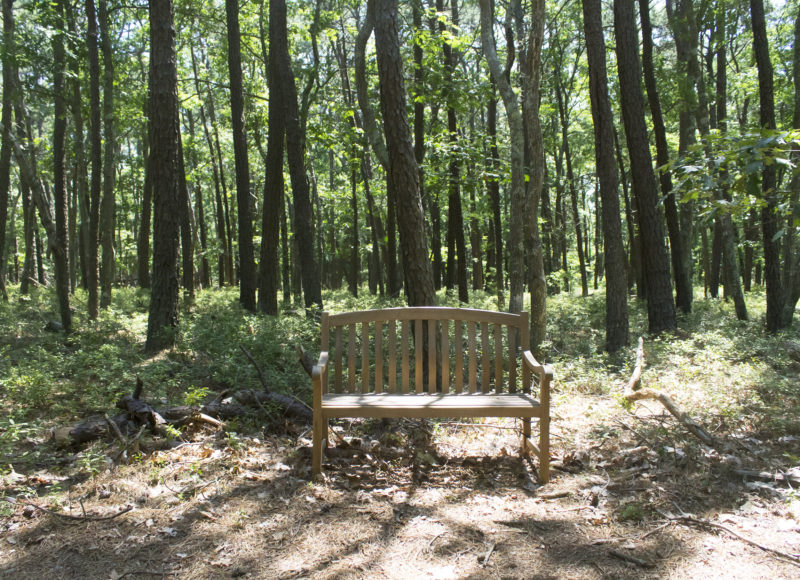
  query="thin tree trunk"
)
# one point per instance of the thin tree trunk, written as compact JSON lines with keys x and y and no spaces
{"x":247,"y":267}
{"x":108,"y":203}
{"x":295,"y":149}
{"x":7,"y":122}
{"x":187,"y":241}
{"x":403,"y":173}
{"x":531,"y":66}
{"x":683,"y":280}
{"x":456,"y":243}
{"x":59,"y":242}
{"x":493,"y":188}
{"x":163,"y":316}
{"x":518,"y":210}
{"x":769,"y":219}
{"x":378,"y":146}
{"x":660,"y":306}
{"x":92,"y":266}
{"x":616,"y":283}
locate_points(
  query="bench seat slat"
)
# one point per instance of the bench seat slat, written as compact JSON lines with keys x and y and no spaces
{"x":439,"y":405}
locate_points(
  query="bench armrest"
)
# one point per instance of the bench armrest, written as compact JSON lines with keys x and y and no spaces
{"x":545,"y":373}
{"x":319,"y":376}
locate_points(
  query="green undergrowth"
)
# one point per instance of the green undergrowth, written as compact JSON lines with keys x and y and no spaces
{"x":714,"y":365}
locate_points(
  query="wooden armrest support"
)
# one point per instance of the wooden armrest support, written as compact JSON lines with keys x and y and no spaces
{"x":321,"y":366}
{"x":543,"y":369}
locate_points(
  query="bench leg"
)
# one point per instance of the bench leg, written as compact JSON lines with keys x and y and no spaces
{"x":544,"y":449}
{"x":319,"y":441}
{"x":526,"y":434}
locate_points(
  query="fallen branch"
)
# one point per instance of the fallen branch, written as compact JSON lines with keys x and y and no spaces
{"x":291,"y":404}
{"x":689,"y":519}
{"x":635,"y":392}
{"x":82,"y":518}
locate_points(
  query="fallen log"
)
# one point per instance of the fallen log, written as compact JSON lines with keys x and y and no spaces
{"x":138,"y":413}
{"x":635,"y":392}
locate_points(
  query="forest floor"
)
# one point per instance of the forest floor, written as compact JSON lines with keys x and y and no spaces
{"x":632,"y":494}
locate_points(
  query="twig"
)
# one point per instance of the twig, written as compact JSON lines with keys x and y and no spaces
{"x":488,"y":554}
{"x":631,"y":559}
{"x":264,"y":381}
{"x":689,"y":519}
{"x":83,"y":518}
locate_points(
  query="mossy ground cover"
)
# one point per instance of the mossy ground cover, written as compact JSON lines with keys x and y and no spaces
{"x":399,"y":499}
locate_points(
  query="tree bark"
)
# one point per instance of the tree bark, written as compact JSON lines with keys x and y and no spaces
{"x":295,"y":150}
{"x":456,"y":242}
{"x":108,"y":203}
{"x":7,"y":124}
{"x":660,"y":306}
{"x":683,"y":278}
{"x":516,"y":269}
{"x":769,"y":218}
{"x":616,"y":282}
{"x":493,"y":188}
{"x":59,"y":243}
{"x":247,"y":267}
{"x":95,"y":141}
{"x":378,"y":145}
{"x":403,"y":174}
{"x":162,"y":321}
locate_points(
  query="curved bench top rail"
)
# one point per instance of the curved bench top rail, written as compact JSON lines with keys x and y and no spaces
{"x":426,"y":313}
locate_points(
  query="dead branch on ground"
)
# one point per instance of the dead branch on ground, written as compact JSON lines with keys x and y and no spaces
{"x":635,"y":392}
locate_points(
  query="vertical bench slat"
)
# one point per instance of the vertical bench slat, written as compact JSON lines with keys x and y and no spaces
{"x":405,"y":371}
{"x":459,"y":346}
{"x":498,"y":358}
{"x":337,"y":357}
{"x":431,"y":356}
{"x":379,"y":356}
{"x":486,"y":369}
{"x":525,"y":342}
{"x":392,"y":337}
{"x":418,"y":350}
{"x":512,"y":358}
{"x":445,"y":356}
{"x":325,"y":346}
{"x":351,"y":358}
{"x":473,"y":356}
{"x":365,"y":382}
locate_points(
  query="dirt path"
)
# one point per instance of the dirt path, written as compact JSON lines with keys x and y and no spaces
{"x":411,"y":500}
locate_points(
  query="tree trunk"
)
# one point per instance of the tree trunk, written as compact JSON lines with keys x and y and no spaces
{"x":187,"y":241}
{"x":7,"y":111}
{"x":163,"y":316}
{"x":660,"y":306}
{"x":532,"y":73}
{"x":733,"y":281}
{"x":683,"y":278}
{"x":456,"y":243}
{"x":107,"y":208}
{"x":403,"y":174}
{"x":59,"y":243}
{"x":493,"y":189}
{"x":95,"y":141}
{"x":616,"y":283}
{"x":295,"y":149}
{"x":205,"y":270}
{"x":378,"y":146}
{"x":516,"y":268}
{"x":247,"y":267}
{"x":769,"y":218}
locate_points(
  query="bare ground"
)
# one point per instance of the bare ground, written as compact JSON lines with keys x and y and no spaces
{"x":418,"y":500}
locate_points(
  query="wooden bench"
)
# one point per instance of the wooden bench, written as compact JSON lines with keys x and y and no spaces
{"x":430,"y":362}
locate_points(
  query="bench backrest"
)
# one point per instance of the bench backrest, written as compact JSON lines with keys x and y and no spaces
{"x":395,"y":350}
